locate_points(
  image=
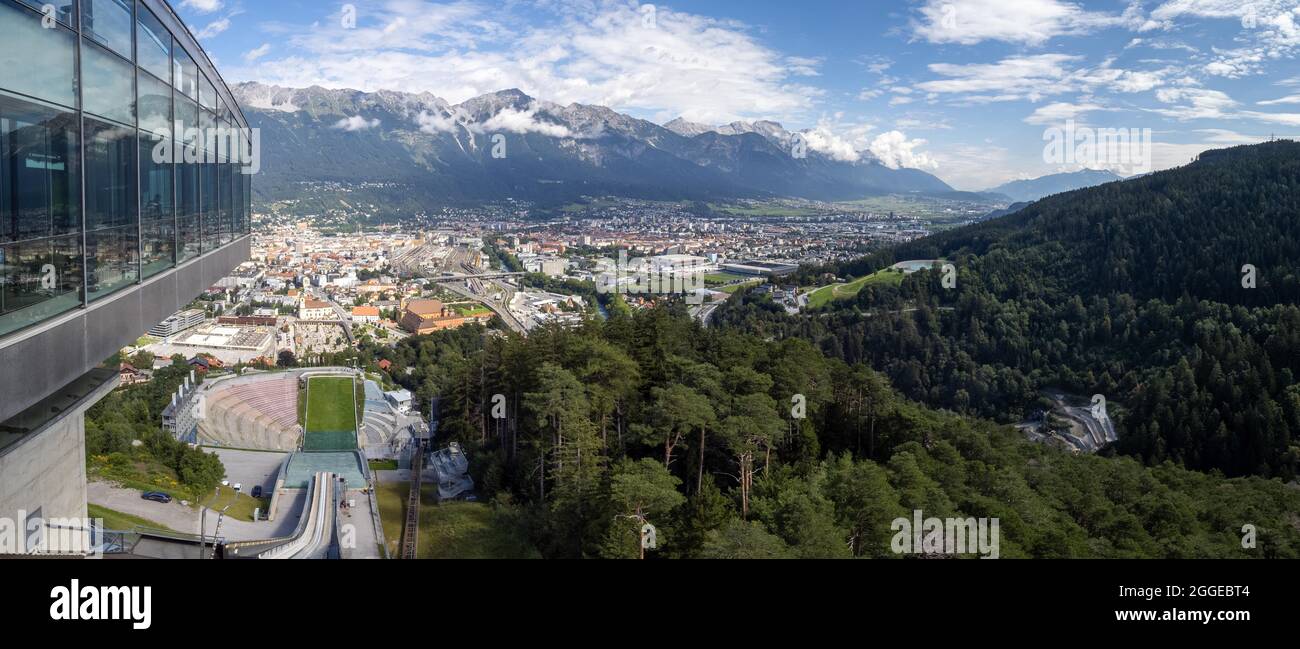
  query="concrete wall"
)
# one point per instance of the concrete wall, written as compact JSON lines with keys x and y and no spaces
{"x":46,"y":471}
{"x":43,"y":359}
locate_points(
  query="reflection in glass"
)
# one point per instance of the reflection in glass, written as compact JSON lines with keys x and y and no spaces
{"x":108,"y":89}
{"x":187,"y":203}
{"x":38,"y":280}
{"x":155,"y":106}
{"x":185,"y":72}
{"x":54,"y":79}
{"x":157,"y":219}
{"x":153,"y":46}
{"x":112,"y":260}
{"x":227,"y":198}
{"x":208,"y":199}
{"x":63,"y":9}
{"x":109,"y":23}
{"x":39,"y":171}
{"x":110,"y":176}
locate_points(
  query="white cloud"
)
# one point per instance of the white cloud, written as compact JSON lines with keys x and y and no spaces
{"x":1028,"y":22}
{"x":202,"y":6}
{"x":356,"y":123}
{"x":214,"y":28}
{"x":824,"y":141}
{"x":1060,"y":112}
{"x":895,"y":150}
{"x":253,"y":55}
{"x":525,"y":121}
{"x":1010,"y":79}
{"x":509,"y":120}
{"x":1291,"y":99}
{"x":604,"y":54}
{"x":1196,"y":103}
{"x":1229,"y":137}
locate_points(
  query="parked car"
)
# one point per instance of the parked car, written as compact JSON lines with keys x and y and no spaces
{"x":156,"y":496}
{"x":237,"y":487}
{"x":257,"y":491}
{"x":225,"y":483}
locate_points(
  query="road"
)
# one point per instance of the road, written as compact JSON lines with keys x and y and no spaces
{"x":184,"y":519}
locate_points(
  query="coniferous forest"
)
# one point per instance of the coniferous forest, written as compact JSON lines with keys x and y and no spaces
{"x":1174,"y":295}
{"x":772,"y":435}
{"x":696,"y":430}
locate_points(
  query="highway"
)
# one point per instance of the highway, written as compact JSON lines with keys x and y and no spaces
{"x":471,"y":282}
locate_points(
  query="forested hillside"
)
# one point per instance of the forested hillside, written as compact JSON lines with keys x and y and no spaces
{"x":1131,"y":290}
{"x":697,"y":430}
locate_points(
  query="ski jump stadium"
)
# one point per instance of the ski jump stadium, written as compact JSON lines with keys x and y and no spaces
{"x":325,"y":423}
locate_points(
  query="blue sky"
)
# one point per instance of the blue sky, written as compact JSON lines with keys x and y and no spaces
{"x":963,"y":88}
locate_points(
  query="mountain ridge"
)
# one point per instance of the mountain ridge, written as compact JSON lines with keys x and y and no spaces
{"x":553,"y":153}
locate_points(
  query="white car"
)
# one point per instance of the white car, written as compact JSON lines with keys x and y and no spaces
{"x":225,"y":483}
{"x":238,"y":486}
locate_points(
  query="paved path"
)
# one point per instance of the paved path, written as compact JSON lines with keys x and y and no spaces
{"x":184,"y":519}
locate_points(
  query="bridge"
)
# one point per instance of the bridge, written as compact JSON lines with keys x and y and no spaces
{"x":461,"y":277}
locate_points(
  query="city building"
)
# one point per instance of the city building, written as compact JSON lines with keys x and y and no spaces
{"x":401,"y":400}
{"x":231,"y":343}
{"x":427,"y":316}
{"x":178,"y":322}
{"x":365,"y":314}
{"x":309,"y":309}
{"x":99,"y":240}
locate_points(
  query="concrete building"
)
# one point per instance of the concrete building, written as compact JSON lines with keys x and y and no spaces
{"x":178,"y":322}
{"x":97,"y":242}
{"x":401,"y":400}
{"x":232,"y":344}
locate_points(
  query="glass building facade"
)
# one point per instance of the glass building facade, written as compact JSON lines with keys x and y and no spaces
{"x":91,"y":91}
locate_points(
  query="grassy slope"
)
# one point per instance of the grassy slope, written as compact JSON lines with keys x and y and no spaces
{"x":826,"y":294}
{"x":115,"y":520}
{"x":455,"y":530}
{"x":331,"y":407}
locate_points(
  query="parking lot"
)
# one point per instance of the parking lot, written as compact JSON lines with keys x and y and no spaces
{"x":250,"y":468}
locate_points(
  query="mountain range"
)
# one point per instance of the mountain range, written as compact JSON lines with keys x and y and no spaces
{"x":509,"y":145}
{"x":1026,"y":191}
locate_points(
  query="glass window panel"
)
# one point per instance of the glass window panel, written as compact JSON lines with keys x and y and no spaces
{"x":110,"y":176}
{"x":187,"y":203}
{"x":39,"y":171}
{"x":63,"y":9}
{"x":108,"y":85}
{"x":55,"y":78}
{"x":207,"y":127}
{"x":112,"y":260}
{"x":207,"y":94}
{"x":241,"y":213}
{"x":208,"y":199}
{"x":155,"y":106}
{"x":187,"y":116}
{"x":153,"y":45}
{"x":158,"y":245}
{"x":226,"y":201}
{"x":38,"y":280}
{"x":185,"y":72}
{"x":109,"y":23}
{"x":157,"y":222}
